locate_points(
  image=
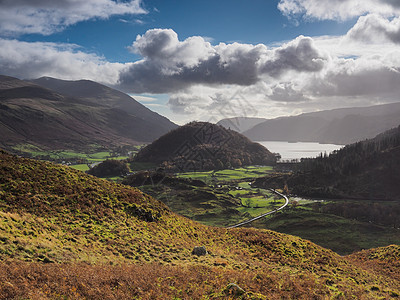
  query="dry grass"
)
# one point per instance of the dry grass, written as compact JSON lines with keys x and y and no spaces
{"x":154,"y":281}
{"x":66,"y":235}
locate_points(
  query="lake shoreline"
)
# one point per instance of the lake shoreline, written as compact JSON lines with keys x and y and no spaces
{"x":289,"y":150}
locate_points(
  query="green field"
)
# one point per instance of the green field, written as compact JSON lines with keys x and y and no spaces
{"x":270,"y":205}
{"x":80,"y":167}
{"x":342,"y":235}
{"x":227,"y":199}
{"x":229,"y":174}
{"x":77,"y":160}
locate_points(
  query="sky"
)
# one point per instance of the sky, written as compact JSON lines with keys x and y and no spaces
{"x":207,"y":60}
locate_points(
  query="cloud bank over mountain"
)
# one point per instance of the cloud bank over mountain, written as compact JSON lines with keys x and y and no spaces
{"x":67,"y":61}
{"x":205,"y":80}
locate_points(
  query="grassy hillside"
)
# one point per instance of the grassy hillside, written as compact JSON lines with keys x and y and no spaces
{"x":98,"y":94}
{"x":65,"y":234}
{"x":202,"y":146}
{"x":385,"y":260}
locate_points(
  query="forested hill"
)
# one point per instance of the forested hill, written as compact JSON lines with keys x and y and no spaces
{"x":204,"y":146}
{"x":368,"y":169}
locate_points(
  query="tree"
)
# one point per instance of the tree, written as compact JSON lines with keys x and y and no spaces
{"x":286,"y":189}
{"x":294,"y":204}
{"x":110,"y":167}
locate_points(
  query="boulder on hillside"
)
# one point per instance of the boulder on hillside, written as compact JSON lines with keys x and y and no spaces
{"x":199,"y":251}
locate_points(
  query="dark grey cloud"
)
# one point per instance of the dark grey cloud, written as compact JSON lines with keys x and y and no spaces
{"x":300,"y":55}
{"x":285,"y":92}
{"x":49,"y":16}
{"x":394,"y":3}
{"x":169,"y":65}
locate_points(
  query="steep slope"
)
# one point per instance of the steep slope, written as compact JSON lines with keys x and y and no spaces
{"x":338,"y":126}
{"x":31,"y":114}
{"x":385,"y":260}
{"x":204,"y":146}
{"x":51,"y":214}
{"x":99,"y":94}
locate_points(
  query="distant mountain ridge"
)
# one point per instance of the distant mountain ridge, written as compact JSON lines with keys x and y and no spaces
{"x":59,"y":114}
{"x":240,"y":124}
{"x":338,"y":126}
{"x":99,"y":94}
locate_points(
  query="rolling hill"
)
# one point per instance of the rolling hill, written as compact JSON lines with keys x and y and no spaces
{"x":204,"y":146}
{"x":337,"y":126}
{"x":79,"y":116}
{"x":65,"y":234}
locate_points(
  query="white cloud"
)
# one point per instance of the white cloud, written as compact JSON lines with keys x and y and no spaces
{"x":214,"y":103}
{"x":375,"y":29}
{"x":49,"y":16}
{"x":33,"y":60}
{"x":367,"y":77}
{"x":206,"y":81}
{"x":209,"y":82}
{"x":338,"y":9}
{"x":211,"y":103}
{"x":170,"y":65}
{"x":155,"y":105}
{"x":142,"y":98}
{"x":163,"y":46}
{"x":331,"y":72}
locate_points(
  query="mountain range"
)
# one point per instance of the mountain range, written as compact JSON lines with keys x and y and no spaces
{"x":337,"y":126}
{"x":57,"y":114}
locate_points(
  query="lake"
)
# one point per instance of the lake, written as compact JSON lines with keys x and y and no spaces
{"x":289,"y":151}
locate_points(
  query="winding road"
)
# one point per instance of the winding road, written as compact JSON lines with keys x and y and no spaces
{"x":265,"y":214}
